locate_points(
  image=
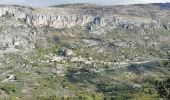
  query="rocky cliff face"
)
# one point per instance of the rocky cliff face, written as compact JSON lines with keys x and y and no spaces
{"x":63,"y":50}
{"x":58,"y":18}
{"x":15,"y":35}
{"x":100,"y":17}
{"x":18,"y":28}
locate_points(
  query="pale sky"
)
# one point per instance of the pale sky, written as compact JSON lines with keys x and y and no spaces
{"x":100,"y":2}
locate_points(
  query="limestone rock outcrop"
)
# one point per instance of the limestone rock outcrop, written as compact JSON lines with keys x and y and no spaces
{"x":93,"y":18}
{"x":19,"y":23}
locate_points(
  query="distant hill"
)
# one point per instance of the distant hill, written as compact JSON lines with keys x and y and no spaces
{"x":75,"y":5}
{"x":162,"y":5}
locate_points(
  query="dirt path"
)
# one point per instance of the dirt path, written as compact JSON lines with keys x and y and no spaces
{"x":128,"y":64}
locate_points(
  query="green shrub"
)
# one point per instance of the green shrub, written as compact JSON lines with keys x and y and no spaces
{"x":9,"y":88}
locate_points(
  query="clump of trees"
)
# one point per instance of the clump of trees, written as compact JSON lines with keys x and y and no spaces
{"x":163,"y":88}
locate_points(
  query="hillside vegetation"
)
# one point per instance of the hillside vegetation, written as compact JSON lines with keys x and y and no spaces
{"x":85,"y":52}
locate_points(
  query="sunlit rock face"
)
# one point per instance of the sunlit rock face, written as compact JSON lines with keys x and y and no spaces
{"x":56,"y":20}
{"x":14,"y":33}
{"x":60,"y":21}
{"x":93,"y":18}
{"x":19,"y":23}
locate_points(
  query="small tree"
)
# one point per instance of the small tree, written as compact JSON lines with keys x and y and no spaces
{"x":164,"y":89}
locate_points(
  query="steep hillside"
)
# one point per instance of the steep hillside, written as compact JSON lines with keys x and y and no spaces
{"x":84,"y":51}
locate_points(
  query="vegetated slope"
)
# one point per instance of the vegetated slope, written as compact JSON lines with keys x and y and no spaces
{"x":84,"y":51}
